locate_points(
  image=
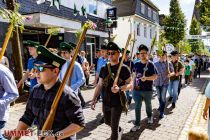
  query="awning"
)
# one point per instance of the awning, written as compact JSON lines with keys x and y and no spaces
{"x":98,"y":33}
{"x":45,"y":21}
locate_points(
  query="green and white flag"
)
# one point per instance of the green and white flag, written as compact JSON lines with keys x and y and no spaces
{"x":55,"y":3}
{"x":83,"y":10}
{"x":75,"y":10}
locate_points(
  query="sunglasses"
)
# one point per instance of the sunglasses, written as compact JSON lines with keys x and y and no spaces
{"x":42,"y":68}
{"x":64,"y":52}
{"x":111,"y":53}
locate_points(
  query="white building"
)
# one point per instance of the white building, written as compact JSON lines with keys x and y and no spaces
{"x":45,"y":17}
{"x":139,"y":17}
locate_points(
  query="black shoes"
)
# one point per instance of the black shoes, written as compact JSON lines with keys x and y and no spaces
{"x":170,"y":99}
{"x":173,"y":105}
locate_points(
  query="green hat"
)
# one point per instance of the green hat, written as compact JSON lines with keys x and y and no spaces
{"x":72,"y":45}
{"x":31,"y":43}
{"x":137,"y":52}
{"x":113,"y":46}
{"x":97,"y":49}
{"x":48,"y":58}
{"x":65,"y":46}
{"x":103,"y":47}
{"x":127,"y":52}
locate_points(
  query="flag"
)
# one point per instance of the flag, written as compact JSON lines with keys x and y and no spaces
{"x":75,"y":10}
{"x":55,"y":3}
{"x":83,"y":9}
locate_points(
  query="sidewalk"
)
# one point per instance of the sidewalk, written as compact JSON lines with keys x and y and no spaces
{"x":168,"y":128}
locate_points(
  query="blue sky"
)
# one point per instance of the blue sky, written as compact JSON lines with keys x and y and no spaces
{"x":186,"y":5}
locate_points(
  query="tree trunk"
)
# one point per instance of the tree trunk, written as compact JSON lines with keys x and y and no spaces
{"x":18,"y":72}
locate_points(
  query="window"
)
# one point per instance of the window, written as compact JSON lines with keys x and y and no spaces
{"x":149,"y":12}
{"x":150,"y":32}
{"x":138,"y":29}
{"x":145,"y":30}
{"x":154,"y":15}
{"x":93,"y":7}
{"x":142,"y":8}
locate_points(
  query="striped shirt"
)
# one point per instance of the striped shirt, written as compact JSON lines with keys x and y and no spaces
{"x":39,"y":104}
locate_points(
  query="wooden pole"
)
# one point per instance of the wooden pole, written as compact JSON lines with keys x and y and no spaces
{"x":121,"y":62}
{"x":48,"y":39}
{"x":49,"y":121}
{"x":6,"y":40}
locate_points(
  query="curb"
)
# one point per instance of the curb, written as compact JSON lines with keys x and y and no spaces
{"x":195,"y":115}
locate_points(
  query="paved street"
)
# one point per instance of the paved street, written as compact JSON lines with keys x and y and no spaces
{"x":174,"y":126}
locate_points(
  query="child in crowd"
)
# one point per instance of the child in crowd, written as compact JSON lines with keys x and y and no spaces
{"x":187,"y":72}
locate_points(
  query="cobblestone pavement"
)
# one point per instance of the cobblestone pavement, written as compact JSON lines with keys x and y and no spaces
{"x":173,"y":126}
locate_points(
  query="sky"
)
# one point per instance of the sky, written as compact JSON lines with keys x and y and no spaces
{"x":186,"y":5}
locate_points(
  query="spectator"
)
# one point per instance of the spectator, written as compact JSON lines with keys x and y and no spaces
{"x":187,"y":72}
{"x":4,"y":60}
{"x":8,"y":94}
{"x":207,"y":106}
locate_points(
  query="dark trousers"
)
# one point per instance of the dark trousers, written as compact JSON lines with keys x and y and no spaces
{"x":81,"y":98}
{"x":187,"y":79}
{"x":2,"y":124}
{"x":199,"y":72}
{"x":180,"y":84}
{"x":112,"y":118}
{"x":195,"y":73}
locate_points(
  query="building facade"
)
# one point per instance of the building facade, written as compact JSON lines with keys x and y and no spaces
{"x":139,"y":17}
{"x":45,"y":16}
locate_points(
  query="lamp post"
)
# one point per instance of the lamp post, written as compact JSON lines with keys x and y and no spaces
{"x":109,"y":23}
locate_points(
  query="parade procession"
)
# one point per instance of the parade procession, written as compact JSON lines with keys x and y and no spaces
{"x":81,"y":70}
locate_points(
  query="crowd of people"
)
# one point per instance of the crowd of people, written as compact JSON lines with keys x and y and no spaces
{"x":138,"y":79}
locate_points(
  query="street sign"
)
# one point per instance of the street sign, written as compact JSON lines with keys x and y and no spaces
{"x":169,"y":48}
{"x":112,"y":14}
{"x":198,"y":37}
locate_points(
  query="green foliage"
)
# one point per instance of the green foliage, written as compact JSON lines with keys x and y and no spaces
{"x":184,"y":47}
{"x":175,"y":24}
{"x":205,"y":14}
{"x":195,"y":27}
{"x":15,"y":18}
{"x":54,"y":31}
{"x":161,"y":43}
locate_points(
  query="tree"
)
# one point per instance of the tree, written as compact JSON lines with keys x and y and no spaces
{"x":195,"y":29}
{"x":16,"y":46}
{"x":184,"y":47}
{"x":175,"y":24}
{"x":205,"y":14}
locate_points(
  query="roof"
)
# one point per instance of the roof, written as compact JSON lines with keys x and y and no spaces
{"x":150,"y":3}
{"x":125,"y":7}
{"x":129,"y":7}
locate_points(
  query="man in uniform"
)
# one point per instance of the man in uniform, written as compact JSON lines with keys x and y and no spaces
{"x":69,"y":117}
{"x":32,"y":45}
{"x":77,"y":77}
{"x":112,"y":103}
{"x":8,"y":94}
